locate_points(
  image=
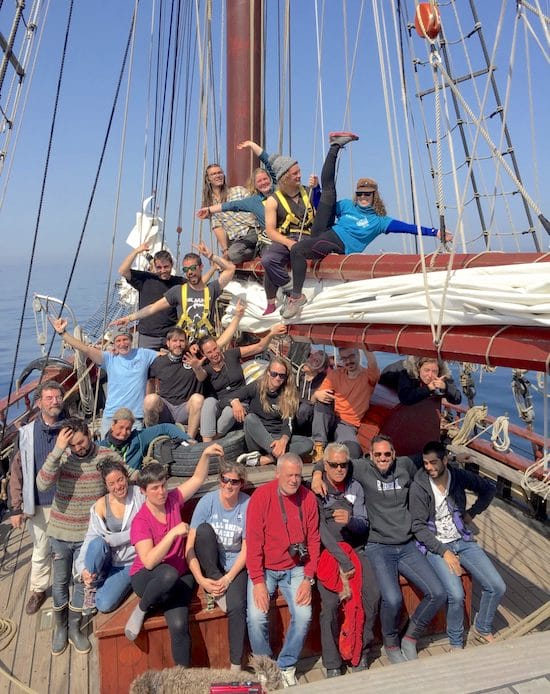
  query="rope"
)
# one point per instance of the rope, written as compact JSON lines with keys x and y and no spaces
{"x":8,"y":629}
{"x":531,"y":482}
{"x":499,"y":436}
{"x":15,"y":681}
{"x":475,"y":416}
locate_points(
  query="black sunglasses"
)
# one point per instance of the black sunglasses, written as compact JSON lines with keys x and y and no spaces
{"x":190,"y":268}
{"x":278,"y":374}
{"x":342,"y":466}
{"x":363,"y":194}
{"x":229,"y":480}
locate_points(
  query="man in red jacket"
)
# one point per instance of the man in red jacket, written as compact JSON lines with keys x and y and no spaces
{"x":282,"y":537}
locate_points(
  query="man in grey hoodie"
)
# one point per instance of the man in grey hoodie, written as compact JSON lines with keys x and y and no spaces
{"x":391,"y":548}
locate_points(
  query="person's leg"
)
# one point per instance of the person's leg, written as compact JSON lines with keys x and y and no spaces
{"x":324,"y":215}
{"x":208,"y":419}
{"x":301,"y":445}
{"x":275,"y":259}
{"x":370,"y":597}
{"x":347,"y":434}
{"x":194,"y":407}
{"x":226,"y":421}
{"x":242,"y":249}
{"x":153,"y":410}
{"x":62,"y":563}
{"x":236,"y":616}
{"x":206,"y":550}
{"x":324,"y":422}
{"x":114,"y":589}
{"x":41,"y":550}
{"x":475,"y":560}
{"x":311,"y":248}
{"x":257,"y":436}
{"x":304,"y":418}
{"x":154,"y":588}
{"x":300,"y":617}
{"x":384,"y":560}
{"x":176,"y":613}
{"x":258,"y":621}
{"x":98,"y":557}
{"x":330,"y":629}
{"x":455,"y":599}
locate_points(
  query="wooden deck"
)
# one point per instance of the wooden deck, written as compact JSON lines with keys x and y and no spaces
{"x":519,"y":547}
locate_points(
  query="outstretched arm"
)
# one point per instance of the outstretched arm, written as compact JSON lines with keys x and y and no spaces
{"x":93,"y":353}
{"x":126,"y":265}
{"x":194,"y":483}
{"x":259,"y":347}
{"x":398,"y":227}
{"x":145,"y":312}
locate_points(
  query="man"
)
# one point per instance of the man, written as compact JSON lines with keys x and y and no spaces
{"x":194,"y":300}
{"x":76,"y":477}
{"x":282,"y":535}
{"x":440,"y":522}
{"x":391,"y":548}
{"x":132,"y":445}
{"x":36,"y":440}
{"x":341,"y":402}
{"x":344,"y":564}
{"x":151,"y":287}
{"x":126,"y":368}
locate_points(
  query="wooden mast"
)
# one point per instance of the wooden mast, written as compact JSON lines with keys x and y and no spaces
{"x":244,"y":85}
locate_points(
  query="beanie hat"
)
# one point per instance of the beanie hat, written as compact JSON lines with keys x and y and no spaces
{"x":317,"y":360}
{"x":281,"y":164}
{"x":366,"y":185}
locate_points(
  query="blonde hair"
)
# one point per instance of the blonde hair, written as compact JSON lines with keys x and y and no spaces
{"x":251,"y":182}
{"x":288,"y":393}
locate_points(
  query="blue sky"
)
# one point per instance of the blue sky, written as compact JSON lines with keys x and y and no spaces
{"x":94,"y":54}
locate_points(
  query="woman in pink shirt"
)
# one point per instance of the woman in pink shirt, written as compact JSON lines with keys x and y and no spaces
{"x":159,"y":574}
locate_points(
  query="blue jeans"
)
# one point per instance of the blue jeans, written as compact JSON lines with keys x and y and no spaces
{"x":391,"y":560}
{"x":113,"y":582}
{"x":473,"y":559}
{"x":300,"y":617}
{"x":64,"y":554}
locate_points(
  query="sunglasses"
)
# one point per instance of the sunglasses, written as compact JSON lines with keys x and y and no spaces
{"x":278,"y":374}
{"x":383,"y":454}
{"x":190,"y":268}
{"x":229,"y":480}
{"x":342,"y":466}
{"x":363,"y":194}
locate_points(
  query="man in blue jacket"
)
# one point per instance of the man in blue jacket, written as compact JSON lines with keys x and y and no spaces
{"x":437,"y":503}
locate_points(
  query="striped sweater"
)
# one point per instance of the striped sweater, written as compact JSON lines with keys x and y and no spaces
{"x":78,"y":485}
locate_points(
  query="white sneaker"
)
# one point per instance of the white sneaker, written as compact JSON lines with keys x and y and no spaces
{"x":289,"y":677}
{"x":249,"y":459}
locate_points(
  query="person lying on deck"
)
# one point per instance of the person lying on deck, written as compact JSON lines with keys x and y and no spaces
{"x":358,"y":223}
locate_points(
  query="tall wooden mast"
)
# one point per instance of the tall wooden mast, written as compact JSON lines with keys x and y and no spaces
{"x":244,"y":84}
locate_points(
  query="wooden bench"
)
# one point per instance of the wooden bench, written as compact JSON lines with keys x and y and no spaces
{"x":121,"y":660}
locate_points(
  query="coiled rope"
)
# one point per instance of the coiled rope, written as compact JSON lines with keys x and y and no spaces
{"x":474,"y":418}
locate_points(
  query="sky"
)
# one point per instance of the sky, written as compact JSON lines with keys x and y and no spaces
{"x":348,"y":35}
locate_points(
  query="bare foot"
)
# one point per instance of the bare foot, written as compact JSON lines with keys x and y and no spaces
{"x":266,"y":459}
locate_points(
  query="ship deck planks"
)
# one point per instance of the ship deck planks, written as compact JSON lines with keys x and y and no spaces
{"x":518,"y":546}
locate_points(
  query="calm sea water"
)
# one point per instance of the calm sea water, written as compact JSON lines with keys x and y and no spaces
{"x":89,"y":293}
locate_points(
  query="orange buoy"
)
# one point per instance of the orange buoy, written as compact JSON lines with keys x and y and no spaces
{"x":427,"y":21}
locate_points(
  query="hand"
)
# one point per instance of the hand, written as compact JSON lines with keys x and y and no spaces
{"x":239,"y":413}
{"x":278,"y":447}
{"x":202,"y":249}
{"x":245,"y":144}
{"x":437,"y":384}
{"x":448,"y":235}
{"x":180,"y":530}
{"x":59,"y":325}
{"x":303,"y":594}
{"x":87,"y":577}
{"x":203,"y":213}
{"x":279,"y":329}
{"x":240,"y":307}
{"x":213,"y":587}
{"x":143,"y":248}
{"x":340,"y":515}
{"x":261,"y":597}
{"x":318,"y":485}
{"x":313,"y":181}
{"x":326,"y":396}
{"x":214,"y":449}
{"x":350,"y":573}
{"x":452,"y":562}
{"x":17,"y":521}
{"x":63,"y":438}
{"x":192,"y":360}
{"x":121,"y":321}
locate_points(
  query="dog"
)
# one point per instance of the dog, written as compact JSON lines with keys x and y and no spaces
{"x":180,"y":680}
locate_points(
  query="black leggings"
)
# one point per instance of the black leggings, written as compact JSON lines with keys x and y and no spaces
{"x":323,"y":240}
{"x":206,"y":551}
{"x":164,"y":587}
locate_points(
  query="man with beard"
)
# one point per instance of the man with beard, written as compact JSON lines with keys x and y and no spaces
{"x":342,"y":400}
{"x":76,"y":477}
{"x":126,"y":368}
{"x":131,"y":444}
{"x":195,"y":301}
{"x":151,"y":287}
{"x":36,"y":440}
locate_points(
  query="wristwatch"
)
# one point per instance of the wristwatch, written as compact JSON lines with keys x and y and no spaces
{"x":310,"y":579}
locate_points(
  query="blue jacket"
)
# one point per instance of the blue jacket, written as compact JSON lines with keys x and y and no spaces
{"x":135,"y":447}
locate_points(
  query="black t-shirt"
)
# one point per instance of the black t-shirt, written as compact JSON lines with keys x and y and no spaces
{"x":271,"y":420}
{"x":151,"y":288}
{"x":177,"y":382}
{"x":195,"y":301}
{"x":228,"y":382}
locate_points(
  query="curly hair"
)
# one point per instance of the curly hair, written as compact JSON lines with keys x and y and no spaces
{"x":412,"y":366}
{"x":207,"y":192}
{"x":288,"y":398}
{"x":377,"y":204}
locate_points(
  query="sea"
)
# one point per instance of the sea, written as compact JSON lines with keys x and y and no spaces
{"x":88,"y":293}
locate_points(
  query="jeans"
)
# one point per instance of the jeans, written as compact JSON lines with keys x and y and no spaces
{"x":327,"y":426}
{"x":64,"y":554}
{"x":258,"y":438}
{"x":300,"y":617}
{"x":391,"y":560}
{"x":41,"y":559}
{"x":473,"y":559}
{"x":206,"y":550}
{"x":113,"y":582}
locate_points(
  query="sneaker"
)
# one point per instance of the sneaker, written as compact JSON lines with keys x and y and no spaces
{"x":35,"y":602}
{"x":408,"y":648}
{"x":394,"y":654}
{"x":334,"y":672}
{"x":269,"y":309}
{"x":341,"y":138}
{"x":293,"y":306}
{"x":288,"y":676}
{"x":318,"y":452}
{"x":249,"y":459}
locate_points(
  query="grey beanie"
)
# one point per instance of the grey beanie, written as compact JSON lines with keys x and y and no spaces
{"x":281,"y":164}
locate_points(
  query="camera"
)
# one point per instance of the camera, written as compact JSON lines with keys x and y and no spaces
{"x":299,"y":551}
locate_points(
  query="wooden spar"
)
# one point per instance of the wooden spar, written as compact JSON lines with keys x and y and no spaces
{"x":359,"y":266}
{"x":510,"y":346}
{"x":244,"y":85}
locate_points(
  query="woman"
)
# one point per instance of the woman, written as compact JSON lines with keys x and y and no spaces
{"x":309,"y":378}
{"x":159,"y":574}
{"x":425,"y":377}
{"x":358,"y":222}
{"x":107,"y":554}
{"x":216,"y":551}
{"x":272,"y":405}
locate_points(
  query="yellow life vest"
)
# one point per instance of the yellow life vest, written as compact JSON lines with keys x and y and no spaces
{"x":291,"y":223}
{"x":195,"y":329}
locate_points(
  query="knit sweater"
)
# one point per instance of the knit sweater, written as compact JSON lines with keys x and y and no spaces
{"x":78,"y":484}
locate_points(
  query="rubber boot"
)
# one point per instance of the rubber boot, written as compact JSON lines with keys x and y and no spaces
{"x":77,"y":639}
{"x":59,"y":636}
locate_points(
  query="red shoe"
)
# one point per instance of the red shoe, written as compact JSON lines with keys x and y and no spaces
{"x":269,"y":309}
{"x":341,"y":138}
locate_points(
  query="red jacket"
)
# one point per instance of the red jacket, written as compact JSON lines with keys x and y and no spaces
{"x":267,"y":536}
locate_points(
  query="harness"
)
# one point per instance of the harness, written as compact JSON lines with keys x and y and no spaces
{"x":195,"y":329}
{"x":291,"y":223}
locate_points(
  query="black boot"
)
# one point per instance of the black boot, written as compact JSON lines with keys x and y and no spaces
{"x":59,"y":636}
{"x":77,"y":639}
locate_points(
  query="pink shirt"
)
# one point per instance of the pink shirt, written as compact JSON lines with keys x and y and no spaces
{"x":146,"y":527}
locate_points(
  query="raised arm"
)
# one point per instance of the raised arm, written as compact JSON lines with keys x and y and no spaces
{"x":226,"y":268}
{"x":93,"y":353}
{"x":225,"y":338}
{"x":126,"y":265}
{"x":145,"y":312}
{"x":261,"y":346}
{"x":194,"y":483}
